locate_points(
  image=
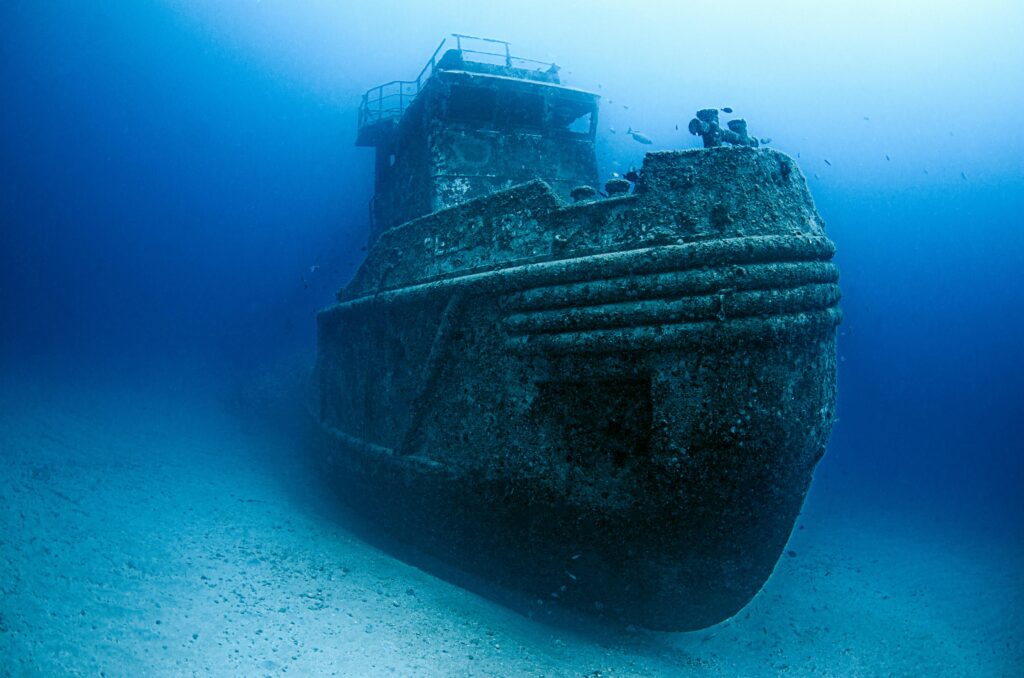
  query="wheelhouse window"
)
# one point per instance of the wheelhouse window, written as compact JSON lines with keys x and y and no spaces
{"x":572,"y":117}
{"x":471,"y":104}
{"x":523,"y":110}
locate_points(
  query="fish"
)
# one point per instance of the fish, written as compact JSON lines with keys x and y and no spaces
{"x":639,"y":136}
{"x":765,"y":140}
{"x":827,"y":162}
{"x":963,"y":175}
{"x":727,"y":109}
{"x":866,"y":117}
{"x":887,"y":157}
{"x":612,"y":130}
{"x":677,"y":128}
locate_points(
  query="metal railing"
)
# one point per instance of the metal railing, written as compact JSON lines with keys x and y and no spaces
{"x":389,"y":101}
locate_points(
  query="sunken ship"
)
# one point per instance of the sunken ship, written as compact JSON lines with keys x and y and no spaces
{"x":612,"y":401}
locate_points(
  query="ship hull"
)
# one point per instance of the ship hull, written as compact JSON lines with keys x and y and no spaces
{"x":628,"y":430}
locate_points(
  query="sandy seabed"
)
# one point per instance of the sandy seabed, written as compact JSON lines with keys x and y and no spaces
{"x":145,"y":532}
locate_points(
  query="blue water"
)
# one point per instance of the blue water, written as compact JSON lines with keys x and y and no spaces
{"x":180,"y":192}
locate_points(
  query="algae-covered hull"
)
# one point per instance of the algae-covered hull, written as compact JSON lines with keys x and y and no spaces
{"x":617,"y":404}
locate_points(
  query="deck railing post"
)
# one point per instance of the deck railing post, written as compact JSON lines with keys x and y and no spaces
{"x":370,"y":116}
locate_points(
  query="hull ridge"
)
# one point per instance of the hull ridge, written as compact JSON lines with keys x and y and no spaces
{"x":617,"y":404}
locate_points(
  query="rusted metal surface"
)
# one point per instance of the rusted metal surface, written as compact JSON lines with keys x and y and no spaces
{"x":636,"y":390}
{"x":617,"y":404}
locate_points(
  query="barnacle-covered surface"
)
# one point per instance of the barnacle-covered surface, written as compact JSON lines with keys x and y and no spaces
{"x":474,"y":130}
{"x":618,"y":403}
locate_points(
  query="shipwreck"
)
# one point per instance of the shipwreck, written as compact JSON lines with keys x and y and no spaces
{"x":612,"y":401}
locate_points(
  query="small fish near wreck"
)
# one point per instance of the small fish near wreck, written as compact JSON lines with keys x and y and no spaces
{"x":640,"y":137}
{"x":615,"y":404}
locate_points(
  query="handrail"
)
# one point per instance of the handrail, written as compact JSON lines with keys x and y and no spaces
{"x":372,"y":109}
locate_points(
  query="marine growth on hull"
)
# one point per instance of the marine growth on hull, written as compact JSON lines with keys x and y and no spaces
{"x":613,"y":399}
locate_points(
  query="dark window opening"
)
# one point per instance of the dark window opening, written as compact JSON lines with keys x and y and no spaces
{"x":572,"y":117}
{"x":524,"y":111}
{"x":581,"y":125}
{"x":471,"y":104}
